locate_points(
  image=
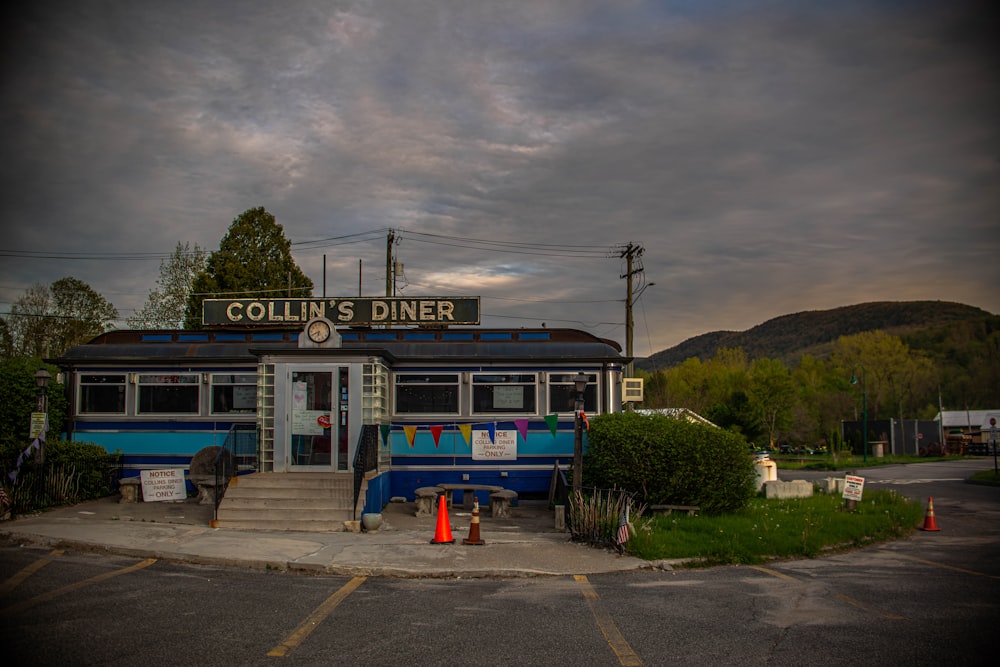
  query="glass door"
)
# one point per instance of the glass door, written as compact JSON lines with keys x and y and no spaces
{"x":315,"y":424}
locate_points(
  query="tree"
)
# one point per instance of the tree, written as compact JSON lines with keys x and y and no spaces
{"x":48,"y":320}
{"x":81,"y":313}
{"x":165,"y":305}
{"x":18,"y":400}
{"x":254,"y":260}
{"x":771,"y":395}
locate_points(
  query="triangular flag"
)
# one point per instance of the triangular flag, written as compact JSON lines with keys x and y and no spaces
{"x":411,"y":432}
{"x":553,"y":422}
{"x":466,"y":431}
{"x":384,"y":430}
{"x":586,"y":422}
{"x":522,"y":427}
{"x":491,"y":431}
{"x":436,"y":432}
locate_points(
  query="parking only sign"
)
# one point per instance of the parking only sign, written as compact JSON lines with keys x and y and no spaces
{"x":853,"y":487}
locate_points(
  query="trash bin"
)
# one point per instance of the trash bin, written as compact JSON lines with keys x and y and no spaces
{"x":878,"y":450}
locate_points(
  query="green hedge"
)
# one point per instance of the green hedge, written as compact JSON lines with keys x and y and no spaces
{"x":668,"y":461}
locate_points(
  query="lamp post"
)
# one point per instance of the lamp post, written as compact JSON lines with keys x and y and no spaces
{"x":864,"y":409}
{"x":580,"y":384}
{"x":42,"y":379}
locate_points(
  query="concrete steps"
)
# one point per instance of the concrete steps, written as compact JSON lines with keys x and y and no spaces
{"x":312,"y":502}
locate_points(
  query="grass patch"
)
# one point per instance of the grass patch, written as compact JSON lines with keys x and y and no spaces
{"x":985,"y":477}
{"x":848,"y":461}
{"x":770,"y":529}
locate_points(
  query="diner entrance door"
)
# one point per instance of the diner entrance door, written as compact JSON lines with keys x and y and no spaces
{"x":318,"y":419}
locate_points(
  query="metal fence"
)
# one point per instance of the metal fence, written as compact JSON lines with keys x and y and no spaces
{"x":32,"y":486}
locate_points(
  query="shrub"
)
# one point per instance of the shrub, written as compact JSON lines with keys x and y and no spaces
{"x":669,"y":461}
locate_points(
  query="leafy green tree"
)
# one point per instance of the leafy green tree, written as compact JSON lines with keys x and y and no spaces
{"x":771,"y":395}
{"x":48,"y":320}
{"x":80,"y":313}
{"x":165,"y":305}
{"x":254,"y":260}
{"x":18,"y":394}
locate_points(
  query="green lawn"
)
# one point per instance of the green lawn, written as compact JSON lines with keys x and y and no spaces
{"x":770,"y":529}
{"x":847,"y":461}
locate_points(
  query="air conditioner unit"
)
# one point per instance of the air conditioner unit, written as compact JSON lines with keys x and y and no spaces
{"x":632,"y":390}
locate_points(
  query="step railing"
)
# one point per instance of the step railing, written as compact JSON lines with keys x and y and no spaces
{"x":237,"y":454}
{"x":365,"y":460}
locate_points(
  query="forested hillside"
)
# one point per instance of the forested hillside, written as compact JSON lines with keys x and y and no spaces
{"x":813,"y":332}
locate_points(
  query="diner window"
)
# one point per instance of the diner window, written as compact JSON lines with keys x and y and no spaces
{"x":168,"y":393}
{"x":562,"y":392}
{"x":504,"y":393}
{"x":234,"y":393}
{"x":422,"y":393}
{"x":102,"y":394}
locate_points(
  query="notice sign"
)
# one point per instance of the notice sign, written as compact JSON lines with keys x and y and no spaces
{"x":167,"y":484}
{"x":503,"y":447}
{"x":853,"y":486}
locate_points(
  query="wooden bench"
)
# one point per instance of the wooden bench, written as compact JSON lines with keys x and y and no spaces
{"x":467,"y":498}
{"x":500,"y":502}
{"x":667,"y":509}
{"x":425,"y":497}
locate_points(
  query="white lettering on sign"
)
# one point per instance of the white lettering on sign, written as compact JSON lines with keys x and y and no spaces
{"x":503,"y":447}
{"x":853,"y":487}
{"x":165,"y":484}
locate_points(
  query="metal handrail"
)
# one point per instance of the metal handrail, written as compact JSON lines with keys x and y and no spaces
{"x":365,"y":460}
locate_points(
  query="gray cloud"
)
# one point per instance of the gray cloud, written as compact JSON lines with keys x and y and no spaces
{"x":769,"y":157}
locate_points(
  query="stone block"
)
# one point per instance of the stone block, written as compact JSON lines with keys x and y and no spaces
{"x":797,"y":488}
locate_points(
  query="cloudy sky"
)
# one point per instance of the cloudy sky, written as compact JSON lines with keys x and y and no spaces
{"x":769,"y":157}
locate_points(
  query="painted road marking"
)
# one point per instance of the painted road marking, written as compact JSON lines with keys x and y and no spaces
{"x":941,"y":565}
{"x":51,"y":595}
{"x":15,"y":581}
{"x":614,"y":637}
{"x":315,"y":618}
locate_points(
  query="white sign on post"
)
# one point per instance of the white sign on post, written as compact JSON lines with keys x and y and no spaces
{"x":853,"y":487}
{"x":166,"y":484}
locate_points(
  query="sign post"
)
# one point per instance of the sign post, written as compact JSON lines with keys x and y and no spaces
{"x":993,"y":442}
{"x":854,"y":486}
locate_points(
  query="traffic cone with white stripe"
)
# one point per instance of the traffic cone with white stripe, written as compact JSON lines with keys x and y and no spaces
{"x":473,"y":537}
{"x":930,"y":523}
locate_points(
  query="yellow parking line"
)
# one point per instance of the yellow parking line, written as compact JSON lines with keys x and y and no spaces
{"x":315,"y":618}
{"x":773,"y":573}
{"x":15,"y":581}
{"x":942,"y":565}
{"x":45,"y":597}
{"x":614,"y":637}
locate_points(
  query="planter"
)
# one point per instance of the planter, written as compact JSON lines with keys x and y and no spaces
{"x":371,"y":522}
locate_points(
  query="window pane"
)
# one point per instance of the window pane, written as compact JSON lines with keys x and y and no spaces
{"x":503,"y":393}
{"x":427,"y":394}
{"x":562,"y":393}
{"x":234,"y":393}
{"x":168,"y":394}
{"x":102,"y":394}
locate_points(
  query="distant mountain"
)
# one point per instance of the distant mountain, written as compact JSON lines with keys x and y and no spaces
{"x":813,"y":332}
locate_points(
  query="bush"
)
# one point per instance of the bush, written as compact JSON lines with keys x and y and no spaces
{"x":668,"y":461}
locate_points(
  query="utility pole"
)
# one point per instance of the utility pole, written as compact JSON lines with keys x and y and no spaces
{"x":633,"y":267}
{"x":388,"y":262}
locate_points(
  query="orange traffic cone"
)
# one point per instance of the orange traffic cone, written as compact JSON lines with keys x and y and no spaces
{"x":443,"y":533}
{"x":473,"y":537}
{"x":930,"y":523}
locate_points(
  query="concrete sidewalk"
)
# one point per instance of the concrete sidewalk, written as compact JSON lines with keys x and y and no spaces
{"x":522,"y":546}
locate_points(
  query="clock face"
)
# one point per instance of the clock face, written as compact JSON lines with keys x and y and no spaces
{"x":318,"y":331}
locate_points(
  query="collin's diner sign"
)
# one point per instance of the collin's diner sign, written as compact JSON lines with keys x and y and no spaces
{"x":346,"y":311}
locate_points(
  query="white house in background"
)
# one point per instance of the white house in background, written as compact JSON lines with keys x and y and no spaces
{"x":975,"y":423}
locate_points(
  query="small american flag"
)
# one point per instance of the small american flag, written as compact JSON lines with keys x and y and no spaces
{"x":4,"y":500}
{"x":622,"y":537}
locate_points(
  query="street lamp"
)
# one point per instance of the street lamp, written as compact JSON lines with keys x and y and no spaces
{"x":580,"y":384}
{"x":864,"y":408}
{"x":42,"y":379}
